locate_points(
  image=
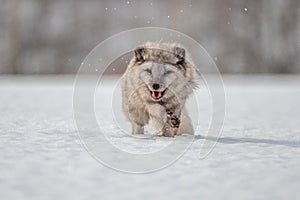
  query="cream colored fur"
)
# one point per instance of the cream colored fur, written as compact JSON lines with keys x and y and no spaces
{"x":169,"y":66}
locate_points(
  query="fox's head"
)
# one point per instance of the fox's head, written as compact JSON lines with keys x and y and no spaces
{"x":164,"y":72}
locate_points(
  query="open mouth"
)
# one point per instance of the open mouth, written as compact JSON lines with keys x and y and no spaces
{"x":157,"y":94}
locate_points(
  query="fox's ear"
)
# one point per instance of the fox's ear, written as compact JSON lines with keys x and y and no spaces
{"x":179,"y":53}
{"x":139,"y":53}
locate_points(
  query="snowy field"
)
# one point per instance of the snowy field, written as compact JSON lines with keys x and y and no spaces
{"x":256,"y":157}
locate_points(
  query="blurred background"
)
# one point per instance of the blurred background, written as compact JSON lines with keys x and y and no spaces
{"x":242,"y":36}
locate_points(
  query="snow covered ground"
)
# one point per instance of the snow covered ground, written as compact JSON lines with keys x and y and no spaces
{"x":256,"y":157}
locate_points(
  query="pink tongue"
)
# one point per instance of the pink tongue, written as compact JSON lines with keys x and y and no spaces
{"x":156,"y":95}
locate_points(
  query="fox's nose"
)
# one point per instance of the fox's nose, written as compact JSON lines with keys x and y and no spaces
{"x":155,"y":86}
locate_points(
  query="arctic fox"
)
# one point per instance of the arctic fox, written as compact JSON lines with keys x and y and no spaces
{"x":155,"y":87}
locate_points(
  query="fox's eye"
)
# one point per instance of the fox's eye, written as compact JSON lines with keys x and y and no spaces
{"x":148,"y":71}
{"x":168,"y":72}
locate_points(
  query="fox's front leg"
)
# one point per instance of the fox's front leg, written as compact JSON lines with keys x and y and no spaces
{"x":137,"y":129}
{"x":159,"y":118}
{"x":138,"y":120}
{"x":173,"y":117}
{"x":173,"y":120}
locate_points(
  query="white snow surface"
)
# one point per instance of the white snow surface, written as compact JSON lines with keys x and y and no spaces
{"x":256,"y":157}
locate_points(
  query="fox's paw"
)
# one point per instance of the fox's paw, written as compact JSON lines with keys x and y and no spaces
{"x":173,"y":120}
{"x":168,"y":134}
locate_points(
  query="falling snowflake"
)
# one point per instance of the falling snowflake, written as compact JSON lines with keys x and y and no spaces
{"x":245,"y":9}
{"x":128,"y":2}
{"x":168,"y":16}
